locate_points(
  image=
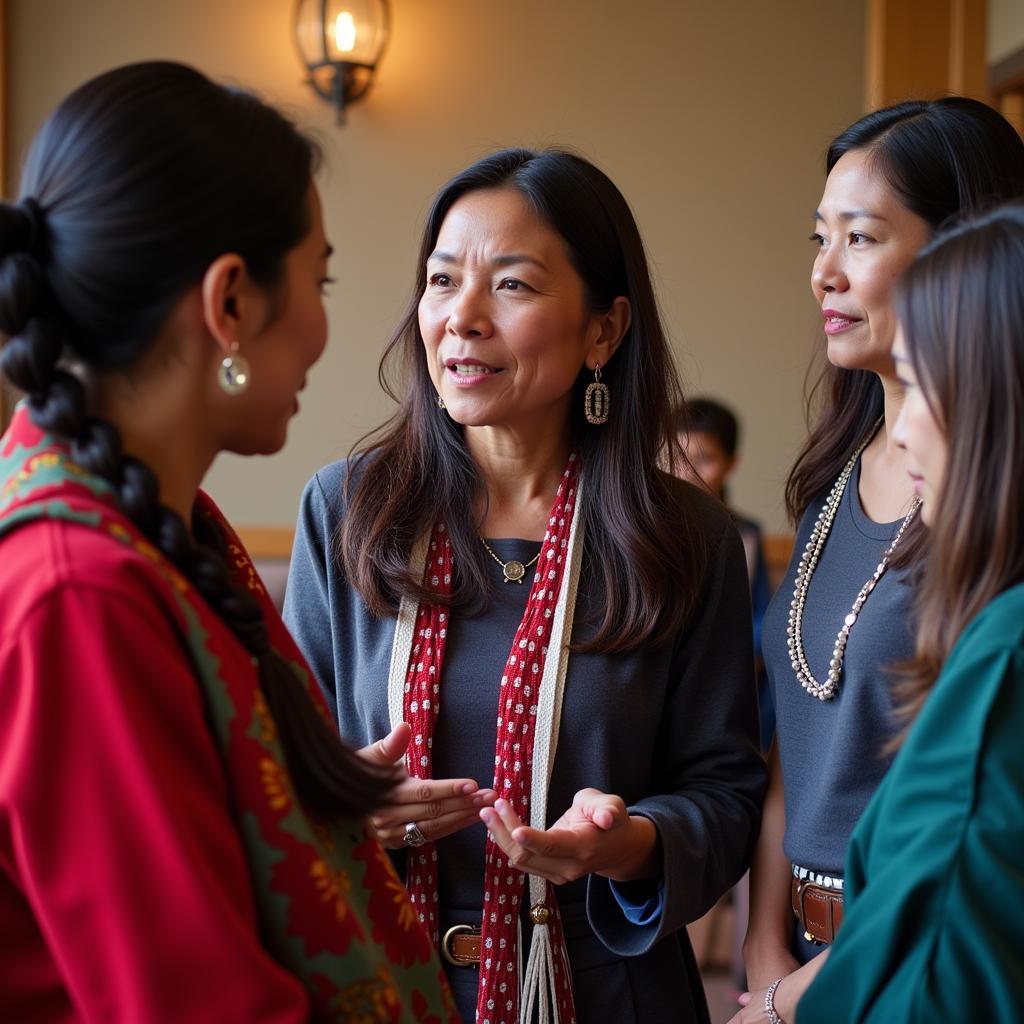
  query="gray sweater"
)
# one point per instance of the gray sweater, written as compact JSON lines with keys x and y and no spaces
{"x":831,"y":751}
{"x":672,"y":730}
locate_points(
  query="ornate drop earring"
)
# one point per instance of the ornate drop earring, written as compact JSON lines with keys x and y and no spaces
{"x":233,"y":373}
{"x":597,"y":399}
{"x":440,"y":403}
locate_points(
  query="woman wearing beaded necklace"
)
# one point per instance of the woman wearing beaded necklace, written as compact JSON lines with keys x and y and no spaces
{"x":935,"y":923}
{"x":843,"y":615}
{"x":508,"y":548}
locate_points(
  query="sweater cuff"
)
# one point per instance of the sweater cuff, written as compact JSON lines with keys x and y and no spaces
{"x":641,"y":902}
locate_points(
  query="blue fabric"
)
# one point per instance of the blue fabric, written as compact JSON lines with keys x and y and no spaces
{"x":640,"y":907}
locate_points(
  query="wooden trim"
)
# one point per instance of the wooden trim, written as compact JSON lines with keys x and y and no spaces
{"x":1011,"y":106}
{"x":267,"y":541}
{"x":874,"y":61}
{"x":1008,"y":74}
{"x":968,"y":44}
{"x":922,"y":49}
{"x":778,"y":549}
{"x":1006,"y":80}
{"x":908,"y":50}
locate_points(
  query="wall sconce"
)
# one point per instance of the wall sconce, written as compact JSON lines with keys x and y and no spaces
{"x":340,"y":42}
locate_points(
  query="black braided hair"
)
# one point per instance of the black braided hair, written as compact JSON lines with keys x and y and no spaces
{"x":135,"y":184}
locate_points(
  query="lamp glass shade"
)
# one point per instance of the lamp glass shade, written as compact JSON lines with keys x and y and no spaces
{"x":329,"y":31}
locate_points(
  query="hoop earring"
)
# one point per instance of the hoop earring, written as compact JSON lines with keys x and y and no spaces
{"x":233,"y":372}
{"x":597,"y":399}
{"x":440,"y":403}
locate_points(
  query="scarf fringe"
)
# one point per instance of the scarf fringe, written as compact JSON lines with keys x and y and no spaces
{"x":539,"y":982}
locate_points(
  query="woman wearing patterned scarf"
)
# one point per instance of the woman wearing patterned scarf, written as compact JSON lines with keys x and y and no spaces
{"x":181,"y":834}
{"x":502,"y":587}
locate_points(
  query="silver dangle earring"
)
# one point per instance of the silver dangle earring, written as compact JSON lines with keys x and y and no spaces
{"x":233,"y":373}
{"x":440,"y":403}
{"x":597,"y":399}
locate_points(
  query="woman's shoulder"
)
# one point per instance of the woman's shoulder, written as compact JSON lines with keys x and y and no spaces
{"x":47,"y":560}
{"x":978,"y":698}
{"x":325,"y":496}
{"x":330,"y":486}
{"x":997,"y":629}
{"x":702,"y":511}
{"x":334,"y":477}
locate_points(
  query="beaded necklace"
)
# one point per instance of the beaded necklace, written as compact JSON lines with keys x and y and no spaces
{"x":808,"y":560}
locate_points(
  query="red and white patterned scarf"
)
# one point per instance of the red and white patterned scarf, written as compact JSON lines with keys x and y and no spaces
{"x":529,"y":704}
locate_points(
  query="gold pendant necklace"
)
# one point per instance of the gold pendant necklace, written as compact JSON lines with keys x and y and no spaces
{"x":513,"y":569}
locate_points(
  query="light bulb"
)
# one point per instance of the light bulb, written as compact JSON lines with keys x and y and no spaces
{"x":345,"y":32}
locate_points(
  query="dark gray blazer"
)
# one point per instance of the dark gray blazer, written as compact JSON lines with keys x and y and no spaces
{"x":673,"y":730}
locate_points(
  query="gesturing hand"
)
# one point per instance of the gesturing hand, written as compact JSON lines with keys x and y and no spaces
{"x":438,"y":807}
{"x":594,"y":836}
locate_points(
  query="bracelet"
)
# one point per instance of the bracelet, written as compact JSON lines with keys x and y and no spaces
{"x":769,"y":1003}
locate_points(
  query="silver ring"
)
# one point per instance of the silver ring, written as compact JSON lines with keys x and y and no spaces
{"x":413,"y":836}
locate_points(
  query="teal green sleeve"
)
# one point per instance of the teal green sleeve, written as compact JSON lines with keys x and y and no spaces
{"x":935,"y":922}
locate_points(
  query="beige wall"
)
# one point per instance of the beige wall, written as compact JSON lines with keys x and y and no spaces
{"x":711,"y":115}
{"x":1005,"y":28}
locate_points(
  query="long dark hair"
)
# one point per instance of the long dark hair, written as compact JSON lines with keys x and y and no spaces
{"x":961,"y":306}
{"x":416,"y":469}
{"x":136,"y":183}
{"x":943,"y":158}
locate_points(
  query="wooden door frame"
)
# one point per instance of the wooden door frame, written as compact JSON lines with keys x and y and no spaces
{"x":1006,"y":81}
{"x":921,"y":49}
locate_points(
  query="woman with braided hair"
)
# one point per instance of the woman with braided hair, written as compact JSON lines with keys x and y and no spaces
{"x":181,"y":831}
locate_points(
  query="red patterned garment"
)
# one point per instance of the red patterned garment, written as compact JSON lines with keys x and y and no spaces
{"x":498,"y":998}
{"x":155,"y":864}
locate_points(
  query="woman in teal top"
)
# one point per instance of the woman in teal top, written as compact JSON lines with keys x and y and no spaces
{"x":934,"y":928}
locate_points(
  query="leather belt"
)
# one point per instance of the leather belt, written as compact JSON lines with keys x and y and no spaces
{"x":819,"y":910}
{"x":460,"y":945}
